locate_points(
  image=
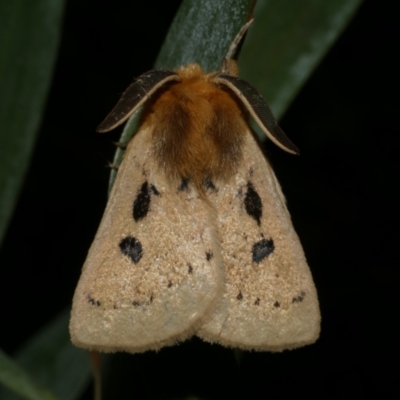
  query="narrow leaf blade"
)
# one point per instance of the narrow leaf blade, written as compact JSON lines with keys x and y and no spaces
{"x":202,"y":32}
{"x":29,"y":35}
{"x":15,"y":378}
{"x":286,"y":43}
{"x":51,"y":359}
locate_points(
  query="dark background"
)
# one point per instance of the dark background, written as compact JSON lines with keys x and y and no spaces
{"x":342,"y":193}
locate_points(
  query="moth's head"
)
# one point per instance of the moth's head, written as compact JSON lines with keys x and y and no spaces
{"x":190,"y":71}
{"x":194,"y":70}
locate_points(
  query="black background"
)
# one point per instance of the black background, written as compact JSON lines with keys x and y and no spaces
{"x":342,"y":193}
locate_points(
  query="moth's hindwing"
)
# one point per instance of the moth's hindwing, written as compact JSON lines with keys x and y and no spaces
{"x":153,"y":271}
{"x":270,"y":302}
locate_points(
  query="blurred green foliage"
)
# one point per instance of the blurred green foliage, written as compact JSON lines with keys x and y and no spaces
{"x":29,"y":36}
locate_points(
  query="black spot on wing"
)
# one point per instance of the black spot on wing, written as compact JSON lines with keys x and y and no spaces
{"x":93,"y":301}
{"x":190,"y":269}
{"x":137,"y":303}
{"x":209,"y":255}
{"x":257,"y":302}
{"x":132,"y":248}
{"x":141,"y":205}
{"x":184,"y":186}
{"x":262,"y":249}
{"x":253,"y":203}
{"x":154,"y":190}
{"x":277,"y":304}
{"x":239,"y":296}
{"x":169,"y":284}
{"x":208,"y":184}
{"x":299,"y":298}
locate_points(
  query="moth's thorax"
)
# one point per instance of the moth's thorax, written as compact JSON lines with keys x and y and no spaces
{"x":197,"y":127}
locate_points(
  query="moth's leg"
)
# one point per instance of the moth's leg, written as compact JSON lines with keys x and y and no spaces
{"x":121,"y":145}
{"x":113,"y":166}
{"x":96,"y":371}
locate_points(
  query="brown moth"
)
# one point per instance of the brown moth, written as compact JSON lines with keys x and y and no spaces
{"x":196,"y":238}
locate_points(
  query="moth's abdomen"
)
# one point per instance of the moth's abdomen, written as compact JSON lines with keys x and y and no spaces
{"x":198,"y":129}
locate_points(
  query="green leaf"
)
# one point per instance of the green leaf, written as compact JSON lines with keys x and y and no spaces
{"x":15,"y":378}
{"x":287,"y":41}
{"x":51,"y":359}
{"x":202,"y":32}
{"x":129,"y":129}
{"x":29,"y":35}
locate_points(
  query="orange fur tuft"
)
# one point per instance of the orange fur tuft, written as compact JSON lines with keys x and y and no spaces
{"x":198,"y":128}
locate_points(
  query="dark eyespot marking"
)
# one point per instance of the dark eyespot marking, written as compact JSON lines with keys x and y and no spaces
{"x":239,"y":296}
{"x":169,"y":284}
{"x":299,"y":298}
{"x":262,"y":249}
{"x":184,"y":186}
{"x":92,"y":301}
{"x":257,"y":302}
{"x":132,"y":248}
{"x":253,"y":203}
{"x":141,"y":205}
{"x":208,"y":184}
{"x":151,"y":299}
{"x":154,"y":190}
{"x":277,"y":304}
{"x":190,"y":269}
{"x":209,"y":255}
{"x":251,"y":171}
{"x":135,"y":303}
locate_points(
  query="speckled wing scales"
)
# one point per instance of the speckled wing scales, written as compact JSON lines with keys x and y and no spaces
{"x":152,"y":273}
{"x":135,"y":95}
{"x":258,"y":109}
{"x":270,"y":302}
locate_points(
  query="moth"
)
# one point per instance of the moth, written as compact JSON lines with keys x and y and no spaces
{"x":196,"y":238}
